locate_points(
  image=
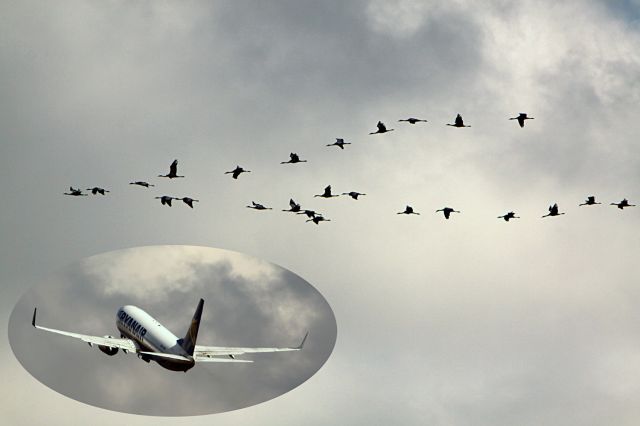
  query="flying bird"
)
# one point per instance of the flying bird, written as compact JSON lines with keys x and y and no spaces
{"x":339,"y":142}
{"x":173,"y":171}
{"x":309,"y":213}
{"x":408,"y":210}
{"x":318,"y":219}
{"x":590,"y":201}
{"x":95,"y":190}
{"x":381,"y":129}
{"x":326,"y":193}
{"x":447,"y":212}
{"x":75,"y":192}
{"x":295,"y":207}
{"x":293,"y":158}
{"x":413,"y":120}
{"x":353,"y":194}
{"x":521,"y":117}
{"x":622,"y":204}
{"x":509,"y":216}
{"x":458,"y":122}
{"x":237,"y":171}
{"x":553,"y":211}
{"x":141,"y":183}
{"x":257,"y":206}
{"x":165,"y":200}
{"x":188,"y":201}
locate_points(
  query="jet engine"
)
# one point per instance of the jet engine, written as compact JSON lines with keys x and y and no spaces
{"x":108,"y":349}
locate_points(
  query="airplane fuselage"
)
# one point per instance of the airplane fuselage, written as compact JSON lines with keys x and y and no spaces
{"x":151,"y":336}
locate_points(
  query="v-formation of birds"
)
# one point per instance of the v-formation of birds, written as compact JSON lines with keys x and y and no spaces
{"x":327,"y":193}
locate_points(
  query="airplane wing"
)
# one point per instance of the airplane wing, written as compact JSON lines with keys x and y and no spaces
{"x":208,"y":353}
{"x":126,"y":345}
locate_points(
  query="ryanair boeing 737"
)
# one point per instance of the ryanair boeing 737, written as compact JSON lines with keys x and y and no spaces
{"x":145,"y":336}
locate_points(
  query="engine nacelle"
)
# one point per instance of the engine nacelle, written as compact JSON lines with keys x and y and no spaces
{"x":108,"y":349}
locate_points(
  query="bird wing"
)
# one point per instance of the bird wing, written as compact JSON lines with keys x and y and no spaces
{"x":173,"y":169}
{"x":459,"y":121}
{"x":381,"y":127}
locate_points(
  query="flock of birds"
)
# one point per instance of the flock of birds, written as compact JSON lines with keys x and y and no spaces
{"x":316,"y":217}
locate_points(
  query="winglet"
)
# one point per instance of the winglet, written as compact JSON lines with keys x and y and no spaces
{"x":33,"y":321}
{"x":304,"y":339}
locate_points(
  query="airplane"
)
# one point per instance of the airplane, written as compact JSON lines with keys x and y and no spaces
{"x":143,"y":335}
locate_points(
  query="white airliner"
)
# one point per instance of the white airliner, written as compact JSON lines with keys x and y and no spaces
{"x":143,"y":335}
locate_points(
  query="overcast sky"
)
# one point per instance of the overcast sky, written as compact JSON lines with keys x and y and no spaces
{"x":470,"y":321}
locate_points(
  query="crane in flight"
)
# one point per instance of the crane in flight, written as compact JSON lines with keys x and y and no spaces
{"x":553,"y":211}
{"x":141,"y":183}
{"x":327,"y":193}
{"x":408,"y":210}
{"x":381,"y":129}
{"x":353,"y":194}
{"x":622,"y":204}
{"x":318,"y":219}
{"x":293,"y":158}
{"x":237,"y":171}
{"x":590,"y":201}
{"x":75,"y":192}
{"x":458,"y":122}
{"x":95,"y":190}
{"x":165,"y":200}
{"x":188,"y":201}
{"x":507,"y":217}
{"x":340,"y":143}
{"x":521,"y":117}
{"x":294,"y":207}
{"x":258,"y":206}
{"x":412,"y":120}
{"x":173,"y":171}
{"x":447,"y":211}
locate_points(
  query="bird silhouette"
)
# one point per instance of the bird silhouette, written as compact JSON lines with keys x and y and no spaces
{"x":173,"y":171}
{"x":188,"y":201}
{"x":318,"y":219}
{"x":509,"y":216}
{"x":458,"y":122}
{"x":95,"y":190}
{"x":295,"y":207}
{"x":622,"y":204}
{"x":326,"y":193}
{"x":381,"y":129}
{"x":237,"y":171}
{"x":75,"y":192}
{"x":553,"y":211}
{"x":165,"y":200}
{"x":447,"y":211}
{"x":408,"y":210}
{"x":141,"y":183}
{"x":521,"y":117}
{"x":309,"y":213}
{"x":590,"y":201}
{"x":353,"y":194}
{"x":257,"y":206}
{"x":413,"y":120}
{"x":293,"y":158}
{"x":339,"y":142}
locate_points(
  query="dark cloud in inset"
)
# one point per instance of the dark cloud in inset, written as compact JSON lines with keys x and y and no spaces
{"x":263,"y":305}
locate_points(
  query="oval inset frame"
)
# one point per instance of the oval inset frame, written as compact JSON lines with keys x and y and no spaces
{"x":248,"y":303}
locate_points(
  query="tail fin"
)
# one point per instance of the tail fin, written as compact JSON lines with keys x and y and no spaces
{"x":188,"y":342}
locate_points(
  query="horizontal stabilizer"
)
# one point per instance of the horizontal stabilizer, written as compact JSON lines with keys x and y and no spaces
{"x":165,"y":356}
{"x":213,"y":359}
